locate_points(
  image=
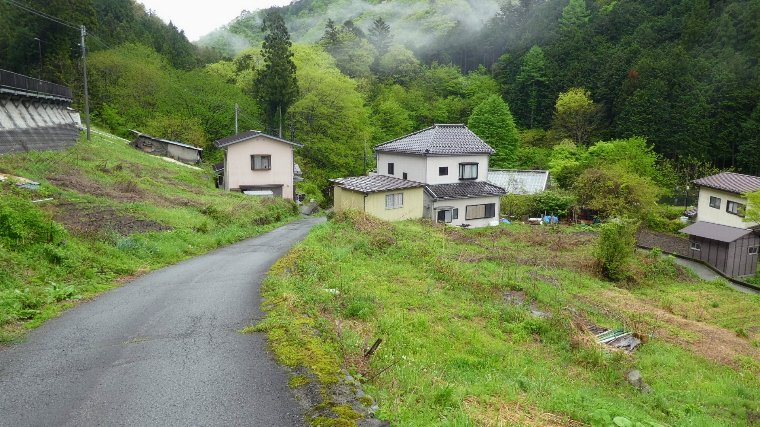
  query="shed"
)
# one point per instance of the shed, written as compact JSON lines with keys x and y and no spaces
{"x":515,"y":181}
{"x":733,"y":251}
{"x":165,"y":148}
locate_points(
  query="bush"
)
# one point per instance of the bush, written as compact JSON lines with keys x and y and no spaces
{"x":617,"y":242}
{"x":22,"y":223}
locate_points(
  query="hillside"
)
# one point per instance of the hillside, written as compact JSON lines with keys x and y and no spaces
{"x":495,"y":327}
{"x":106,"y":212}
{"x":415,"y":23}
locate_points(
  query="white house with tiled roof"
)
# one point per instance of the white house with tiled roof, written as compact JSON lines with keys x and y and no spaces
{"x":258,"y":164}
{"x":721,"y":237}
{"x":452,"y":163}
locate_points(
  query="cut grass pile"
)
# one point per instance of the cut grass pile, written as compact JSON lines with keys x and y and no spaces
{"x":457,"y":351}
{"x":115,"y":212}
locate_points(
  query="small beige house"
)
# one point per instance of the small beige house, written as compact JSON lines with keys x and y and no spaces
{"x":721,"y":237}
{"x":258,"y":164}
{"x":385,"y":197}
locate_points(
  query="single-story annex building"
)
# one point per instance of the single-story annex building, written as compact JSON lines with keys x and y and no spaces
{"x":165,"y":148}
{"x":382,"y":196}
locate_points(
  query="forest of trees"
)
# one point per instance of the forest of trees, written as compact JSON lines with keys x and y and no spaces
{"x":551,"y":84}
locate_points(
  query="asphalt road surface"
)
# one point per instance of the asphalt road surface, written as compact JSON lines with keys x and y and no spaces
{"x":162,"y":350}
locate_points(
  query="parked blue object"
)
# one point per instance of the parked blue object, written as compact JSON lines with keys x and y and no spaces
{"x":505,"y":221}
{"x":549,"y":219}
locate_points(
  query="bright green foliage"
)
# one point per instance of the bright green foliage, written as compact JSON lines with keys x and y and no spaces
{"x":574,"y":16}
{"x":617,"y":243}
{"x":132,"y":87}
{"x":632,"y":154}
{"x":575,"y":115}
{"x":551,"y":202}
{"x":458,"y":350}
{"x":276,"y":86}
{"x":567,"y":162}
{"x":391,"y":120}
{"x":492,"y":121}
{"x":612,"y":190}
{"x":398,"y":65}
{"x":330,"y":118}
{"x":753,"y":207}
{"x":81,"y":242}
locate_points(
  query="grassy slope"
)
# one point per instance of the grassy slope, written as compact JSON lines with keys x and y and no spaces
{"x":457,"y":353}
{"x":115,"y":212}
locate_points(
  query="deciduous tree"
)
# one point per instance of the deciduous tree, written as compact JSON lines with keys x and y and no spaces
{"x":493,"y":122}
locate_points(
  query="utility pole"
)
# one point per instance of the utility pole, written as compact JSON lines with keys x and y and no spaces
{"x":237,"y":110}
{"x":86,"y":88}
{"x":39,"y":50}
{"x":279,"y":109}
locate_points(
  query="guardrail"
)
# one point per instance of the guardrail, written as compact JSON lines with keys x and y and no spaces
{"x":30,"y":85}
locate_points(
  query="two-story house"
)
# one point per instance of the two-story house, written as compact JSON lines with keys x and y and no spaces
{"x":258,"y":164}
{"x":450,"y":162}
{"x":720,"y":236}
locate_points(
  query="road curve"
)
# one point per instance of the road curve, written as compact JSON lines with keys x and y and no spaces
{"x":162,"y":350}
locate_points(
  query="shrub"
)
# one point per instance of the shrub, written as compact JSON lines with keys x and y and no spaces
{"x":22,"y":223}
{"x":617,"y":242}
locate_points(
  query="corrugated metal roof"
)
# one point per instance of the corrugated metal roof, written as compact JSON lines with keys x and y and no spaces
{"x":464,"y":190}
{"x":244,"y":136}
{"x":721,"y":233}
{"x":731,"y":182}
{"x":375,"y":183}
{"x":180,"y":144}
{"x":519,"y":181}
{"x":438,"y":140}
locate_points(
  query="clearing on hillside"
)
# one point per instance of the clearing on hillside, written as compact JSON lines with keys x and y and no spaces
{"x":484,"y":327}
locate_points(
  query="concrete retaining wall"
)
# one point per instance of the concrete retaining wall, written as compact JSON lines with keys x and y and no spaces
{"x":34,"y":124}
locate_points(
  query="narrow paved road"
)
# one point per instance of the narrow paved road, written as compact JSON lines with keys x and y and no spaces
{"x":162,"y":350}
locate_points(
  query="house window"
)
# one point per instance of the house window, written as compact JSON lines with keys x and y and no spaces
{"x":754,"y":250}
{"x":405,"y":176}
{"x":480,"y":211}
{"x":447,"y":215}
{"x":261,"y":162}
{"x":394,"y":201}
{"x":390,"y":168}
{"x":715,"y":202}
{"x":468,"y":171}
{"x":696,"y":246}
{"x":735,"y":208}
{"x":443,"y":171}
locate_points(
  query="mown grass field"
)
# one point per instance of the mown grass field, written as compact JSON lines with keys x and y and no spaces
{"x":458,"y":350}
{"x":115,"y":213}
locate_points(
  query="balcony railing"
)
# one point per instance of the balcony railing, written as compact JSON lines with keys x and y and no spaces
{"x":10,"y":81}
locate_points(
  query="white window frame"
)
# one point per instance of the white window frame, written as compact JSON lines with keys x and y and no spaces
{"x":449,"y":215}
{"x":394,"y":201}
{"x":753,"y":250}
{"x":719,"y":202}
{"x":696,"y":246}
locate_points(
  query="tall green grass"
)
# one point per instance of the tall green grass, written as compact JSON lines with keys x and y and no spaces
{"x":45,"y":267}
{"x":456,"y":352}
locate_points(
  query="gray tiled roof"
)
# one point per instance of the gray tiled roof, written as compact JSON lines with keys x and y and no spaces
{"x":721,"y":233}
{"x":730,"y":181}
{"x":464,"y":190}
{"x":519,"y":181}
{"x":244,"y":136}
{"x":438,"y":140}
{"x":375,"y":183}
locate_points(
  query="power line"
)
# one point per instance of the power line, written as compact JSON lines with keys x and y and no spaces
{"x":43,"y":14}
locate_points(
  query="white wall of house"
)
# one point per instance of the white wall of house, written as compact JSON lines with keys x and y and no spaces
{"x":719,"y":215}
{"x":426,"y":168}
{"x":452,"y":163}
{"x":238,"y":172}
{"x":413,"y":166}
{"x":431,"y":209}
